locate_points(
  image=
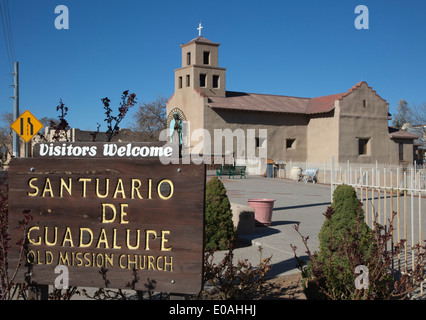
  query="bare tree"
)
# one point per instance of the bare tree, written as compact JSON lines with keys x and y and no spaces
{"x":47,"y":121}
{"x":418,"y":114}
{"x":7,"y":118}
{"x":151,"y":118}
{"x":113,"y":129}
{"x":403,"y":114}
{"x":5,"y":135}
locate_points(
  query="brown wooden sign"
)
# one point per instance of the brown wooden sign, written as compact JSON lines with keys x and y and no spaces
{"x":116,"y":223}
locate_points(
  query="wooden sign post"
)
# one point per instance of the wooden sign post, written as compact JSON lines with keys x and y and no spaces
{"x":121,"y":223}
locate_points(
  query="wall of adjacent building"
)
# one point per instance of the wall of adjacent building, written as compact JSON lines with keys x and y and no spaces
{"x":408,"y":151}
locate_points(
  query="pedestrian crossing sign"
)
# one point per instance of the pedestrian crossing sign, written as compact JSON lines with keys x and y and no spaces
{"x":27,"y":126}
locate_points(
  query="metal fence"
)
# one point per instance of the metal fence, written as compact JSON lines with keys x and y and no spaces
{"x":349,"y":171}
{"x":387,"y":189}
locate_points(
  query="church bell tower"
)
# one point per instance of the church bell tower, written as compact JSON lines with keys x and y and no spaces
{"x":200,"y":68}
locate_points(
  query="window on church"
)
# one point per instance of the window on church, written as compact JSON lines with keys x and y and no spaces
{"x":401,"y":152}
{"x":363,"y":146}
{"x":215,"y":81}
{"x":188,"y":80}
{"x":188,"y":58}
{"x":206,"y":57}
{"x":180,"y":82}
{"x":203,"y":80}
{"x":290,"y":143}
{"x":257,"y":142}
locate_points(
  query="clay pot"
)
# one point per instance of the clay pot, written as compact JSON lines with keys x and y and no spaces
{"x":262,"y":211}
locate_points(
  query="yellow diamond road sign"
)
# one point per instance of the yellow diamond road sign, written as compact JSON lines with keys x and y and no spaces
{"x":27,"y":126}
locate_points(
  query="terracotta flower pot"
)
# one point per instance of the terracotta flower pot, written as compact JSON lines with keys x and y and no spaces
{"x":262,"y":211}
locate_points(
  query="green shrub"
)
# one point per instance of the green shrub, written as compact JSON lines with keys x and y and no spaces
{"x":347,"y":213}
{"x":219,"y":228}
{"x":345,"y":241}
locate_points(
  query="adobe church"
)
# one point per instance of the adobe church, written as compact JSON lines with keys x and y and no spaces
{"x":352,"y":125}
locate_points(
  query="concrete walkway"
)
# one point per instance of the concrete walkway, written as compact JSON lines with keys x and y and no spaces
{"x":296,"y":202}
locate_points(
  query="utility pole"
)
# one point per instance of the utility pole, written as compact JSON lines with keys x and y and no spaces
{"x":16,"y":151}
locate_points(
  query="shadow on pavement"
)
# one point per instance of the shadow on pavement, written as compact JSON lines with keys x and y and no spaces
{"x":285,"y":266}
{"x":261,"y":232}
{"x":303,"y":206}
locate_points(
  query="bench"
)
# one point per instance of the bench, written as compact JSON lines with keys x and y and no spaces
{"x":225,"y":170}
{"x":310,"y":174}
{"x":231,"y":171}
{"x":240,"y":170}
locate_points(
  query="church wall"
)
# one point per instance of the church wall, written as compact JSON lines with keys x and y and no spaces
{"x":183,"y":73}
{"x":364,"y":120}
{"x":209,"y":73}
{"x":214,"y":54}
{"x":323,"y":137}
{"x":280,"y":127}
{"x":191,"y":103}
{"x":196,"y":54}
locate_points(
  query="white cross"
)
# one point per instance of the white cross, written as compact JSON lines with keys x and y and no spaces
{"x":199,"y":29}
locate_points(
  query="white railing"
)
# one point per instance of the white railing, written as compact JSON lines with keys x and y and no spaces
{"x":387,"y":189}
{"x":348,"y":171}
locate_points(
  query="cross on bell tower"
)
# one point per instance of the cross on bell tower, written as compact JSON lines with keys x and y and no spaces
{"x":200,"y":27}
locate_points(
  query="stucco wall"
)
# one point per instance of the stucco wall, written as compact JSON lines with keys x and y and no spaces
{"x":323,"y":136}
{"x":196,"y":50}
{"x":191,"y":103}
{"x":197,"y":67}
{"x":364,"y":115}
{"x":408,"y":156}
{"x":279,"y":128}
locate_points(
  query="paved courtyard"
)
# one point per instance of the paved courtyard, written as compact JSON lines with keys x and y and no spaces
{"x":296,"y":202}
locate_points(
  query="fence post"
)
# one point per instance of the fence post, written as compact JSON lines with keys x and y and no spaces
{"x":325,"y":172}
{"x":332,"y":179}
{"x":379,"y":196}
{"x":385,"y":196}
{"x":412,"y":215}
{"x":420,"y":213}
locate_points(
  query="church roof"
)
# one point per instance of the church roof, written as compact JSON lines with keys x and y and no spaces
{"x":201,"y":40}
{"x":273,"y":103}
{"x":323,"y":104}
{"x":276,"y":103}
{"x":259,"y":102}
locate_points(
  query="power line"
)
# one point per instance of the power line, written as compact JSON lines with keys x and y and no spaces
{"x":10,"y":30}
{"x":5,"y":38}
{"x":8,"y":37}
{"x":7,"y":32}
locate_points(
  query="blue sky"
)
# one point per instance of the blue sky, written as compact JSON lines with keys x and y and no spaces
{"x":297,"y":48}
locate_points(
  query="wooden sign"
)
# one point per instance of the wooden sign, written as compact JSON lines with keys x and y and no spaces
{"x":115,"y":223}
